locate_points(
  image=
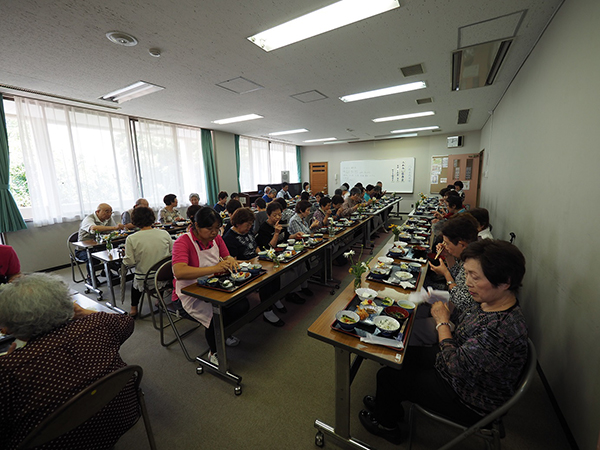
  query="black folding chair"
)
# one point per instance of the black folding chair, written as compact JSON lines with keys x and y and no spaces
{"x":87,"y":404}
{"x":490,"y":428}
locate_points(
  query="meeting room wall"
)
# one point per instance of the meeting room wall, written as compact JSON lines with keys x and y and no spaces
{"x":421,"y":148}
{"x":224,"y":150}
{"x":542,"y":158}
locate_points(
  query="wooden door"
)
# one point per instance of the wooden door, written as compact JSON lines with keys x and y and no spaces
{"x":318,"y":177}
{"x":466,"y":169}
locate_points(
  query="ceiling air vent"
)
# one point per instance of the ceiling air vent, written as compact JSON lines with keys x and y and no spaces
{"x":422,"y":101}
{"x":409,"y":71}
{"x":477,"y":66}
{"x":463,"y":116}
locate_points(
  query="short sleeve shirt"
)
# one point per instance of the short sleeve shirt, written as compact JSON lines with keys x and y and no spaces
{"x":85,"y":229}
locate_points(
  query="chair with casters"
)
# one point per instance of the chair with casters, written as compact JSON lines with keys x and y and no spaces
{"x":490,"y":427}
{"x":75,"y":261}
{"x":171,"y":310}
{"x":86,"y":405}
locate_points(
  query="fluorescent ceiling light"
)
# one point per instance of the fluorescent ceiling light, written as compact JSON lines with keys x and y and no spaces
{"x":130,"y":92}
{"x":322,"y":140}
{"x":384,"y":91}
{"x":404,"y":116}
{"x":320,"y":21}
{"x":281,"y":133}
{"x":238,"y":119}
{"x":409,"y":130}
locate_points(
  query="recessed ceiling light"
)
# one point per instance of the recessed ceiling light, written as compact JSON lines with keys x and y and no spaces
{"x":320,"y":21}
{"x":135,"y":90}
{"x":321,"y":140}
{"x":384,"y":91}
{"x":118,"y":37}
{"x":282,"y":133}
{"x":404,"y":116}
{"x":238,"y":119}
{"x":409,"y":130}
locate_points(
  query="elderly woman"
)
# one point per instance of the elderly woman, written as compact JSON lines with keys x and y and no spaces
{"x":201,"y":252}
{"x":241,"y":244}
{"x":476,"y":367}
{"x":322,"y":214}
{"x":144,"y":249}
{"x":169,"y":214}
{"x":297,"y":222}
{"x":194,"y":198}
{"x":67,"y":349}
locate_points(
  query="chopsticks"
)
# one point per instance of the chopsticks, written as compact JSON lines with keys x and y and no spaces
{"x":439,"y":253}
{"x":230,"y":271}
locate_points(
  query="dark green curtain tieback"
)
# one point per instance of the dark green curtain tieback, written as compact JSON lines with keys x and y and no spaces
{"x":4,"y":186}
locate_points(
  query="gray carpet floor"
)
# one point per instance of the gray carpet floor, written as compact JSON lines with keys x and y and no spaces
{"x":288,"y":382}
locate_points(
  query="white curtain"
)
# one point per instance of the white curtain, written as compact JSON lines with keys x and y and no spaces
{"x":74,"y":159}
{"x":261,"y":162}
{"x":170,"y":158}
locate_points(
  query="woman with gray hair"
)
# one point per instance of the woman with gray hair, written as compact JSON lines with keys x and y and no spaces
{"x":72,"y":348}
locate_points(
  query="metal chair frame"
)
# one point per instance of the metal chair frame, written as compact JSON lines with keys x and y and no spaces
{"x":165,"y":273}
{"x":75,"y":261}
{"x":490,"y":427}
{"x":87,"y":404}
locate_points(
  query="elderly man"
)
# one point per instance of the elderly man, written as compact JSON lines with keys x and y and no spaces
{"x":100,"y":221}
{"x":283,"y":193}
{"x":126,"y":216}
{"x":267,"y":197}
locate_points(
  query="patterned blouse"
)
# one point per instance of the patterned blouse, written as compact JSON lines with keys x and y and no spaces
{"x":240,"y":246}
{"x":459,"y":294}
{"x":485,"y":357}
{"x":297,"y":225}
{"x":166,"y":216}
{"x":49,"y":370}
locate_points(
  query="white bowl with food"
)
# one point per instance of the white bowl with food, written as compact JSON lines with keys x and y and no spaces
{"x":366,"y":293}
{"x":347,"y":319}
{"x":386,"y":325}
{"x":400,"y":244}
{"x":403,"y":276}
{"x":385,"y":260}
{"x":407,"y":305}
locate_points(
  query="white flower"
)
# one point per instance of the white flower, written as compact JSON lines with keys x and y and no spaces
{"x":348,"y":254}
{"x":364,"y":265}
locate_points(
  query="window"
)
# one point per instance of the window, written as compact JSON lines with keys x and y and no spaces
{"x":74,"y":159}
{"x":171,"y":161}
{"x":262,"y":162}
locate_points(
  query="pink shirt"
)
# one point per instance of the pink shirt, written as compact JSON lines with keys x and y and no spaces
{"x":9,"y":262}
{"x":184,"y":252}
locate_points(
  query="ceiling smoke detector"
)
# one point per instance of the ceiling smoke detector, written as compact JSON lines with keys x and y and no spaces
{"x":154,"y":52}
{"x":118,"y":37}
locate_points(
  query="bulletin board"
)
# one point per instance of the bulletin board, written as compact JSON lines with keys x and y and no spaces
{"x":397,"y":175}
{"x":440,"y":173}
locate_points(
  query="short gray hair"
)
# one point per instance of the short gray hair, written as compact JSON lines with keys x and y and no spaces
{"x":193,"y":194}
{"x":35,"y":304}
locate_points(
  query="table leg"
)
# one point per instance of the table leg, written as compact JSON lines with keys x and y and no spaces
{"x":109,"y":280}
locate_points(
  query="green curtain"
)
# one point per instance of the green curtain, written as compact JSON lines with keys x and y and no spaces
{"x":299,"y":162}
{"x":10,"y":216}
{"x":212,"y":184}
{"x":236,"y":138}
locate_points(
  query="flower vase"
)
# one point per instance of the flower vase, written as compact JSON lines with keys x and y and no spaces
{"x":357,"y":282}
{"x":331,"y":232}
{"x":276,"y":263}
{"x":109,"y":246}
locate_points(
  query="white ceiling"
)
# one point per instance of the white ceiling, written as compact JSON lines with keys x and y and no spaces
{"x":59,"y":47}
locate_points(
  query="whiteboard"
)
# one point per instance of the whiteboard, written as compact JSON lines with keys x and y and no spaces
{"x":397,"y":175}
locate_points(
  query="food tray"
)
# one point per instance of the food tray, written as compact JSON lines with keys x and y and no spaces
{"x":367,"y":326}
{"x":408,"y":256}
{"x":415,"y":272}
{"x":236,"y":286}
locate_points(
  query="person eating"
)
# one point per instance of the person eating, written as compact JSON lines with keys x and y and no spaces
{"x":194,"y":198}
{"x":241,"y":244}
{"x":201,"y":252}
{"x":284,"y":192}
{"x":220,"y":206}
{"x":476,"y":367}
{"x":126,"y":216}
{"x":482,"y":216}
{"x":100,"y":221}
{"x":67,"y":349}
{"x":144,"y":249}
{"x":169,"y":214}
{"x":297,"y":224}
{"x":267,"y":197}
{"x":324,"y":212}
{"x":351,"y":204}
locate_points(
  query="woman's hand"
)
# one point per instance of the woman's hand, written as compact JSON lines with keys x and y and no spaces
{"x":440,"y":312}
{"x":442,"y":269}
{"x":277,"y":227}
{"x":228,"y":263}
{"x":297,"y":236}
{"x":315,"y":224}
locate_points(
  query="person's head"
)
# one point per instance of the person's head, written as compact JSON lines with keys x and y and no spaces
{"x":142,"y":217}
{"x":282,"y":202}
{"x":338,"y":191}
{"x":267,"y":189}
{"x":260,"y":203}
{"x":234,"y":196}
{"x":303,"y":208}
{"x":233,"y":206}
{"x":379,"y":184}
{"x":141,"y":202}
{"x":337,"y":201}
{"x":458,"y":232}
{"x":482,"y":216}
{"x":443,"y":192}
{"x":360,"y":185}
{"x":325,"y":203}
{"x":306,"y":185}
{"x":243,"y":220}
{"x":491,"y":265}
{"x":346,"y":185}
{"x":454,"y":203}
{"x":458,"y":185}
{"x":370,"y":189}
{"x":170,"y":200}
{"x":272,"y":193}
{"x":191,"y":211}
{"x":223,"y":197}
{"x":274,"y":212}
{"x":319,"y":196}
{"x":104,"y":211}
{"x":207,"y":223}
{"x":304,"y":196}
{"x":355,"y":193}
{"x":285,"y":186}
{"x":194,"y":198}
{"x":33,"y":305}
